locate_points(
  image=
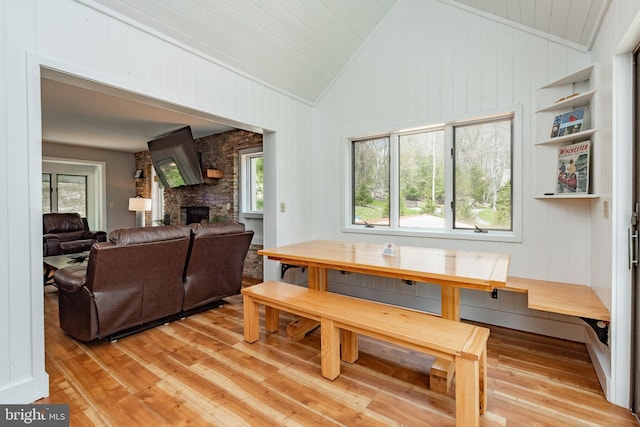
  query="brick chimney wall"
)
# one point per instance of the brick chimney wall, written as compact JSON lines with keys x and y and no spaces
{"x":218,"y":151}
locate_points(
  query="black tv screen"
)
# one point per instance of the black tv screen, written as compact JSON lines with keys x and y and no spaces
{"x":175,"y":158}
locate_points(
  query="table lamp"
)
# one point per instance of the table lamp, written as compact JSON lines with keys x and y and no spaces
{"x":139,"y":205}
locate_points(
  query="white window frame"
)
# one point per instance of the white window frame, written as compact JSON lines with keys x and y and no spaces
{"x":514,"y":235}
{"x":245,"y":183}
{"x":96,"y":185}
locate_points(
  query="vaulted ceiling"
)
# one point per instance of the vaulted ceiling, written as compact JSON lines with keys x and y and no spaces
{"x":298,"y":47}
{"x":570,"y":21}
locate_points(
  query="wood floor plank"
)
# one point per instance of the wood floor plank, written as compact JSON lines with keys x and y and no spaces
{"x":265,"y":398}
{"x":199,"y":372}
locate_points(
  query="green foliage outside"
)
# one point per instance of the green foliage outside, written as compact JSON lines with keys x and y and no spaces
{"x":482,"y":185}
{"x":374,"y":211}
{"x":259,"y":168}
{"x":503,"y":206}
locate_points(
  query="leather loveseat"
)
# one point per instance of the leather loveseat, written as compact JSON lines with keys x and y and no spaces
{"x":68,"y":233}
{"x":146,"y":276}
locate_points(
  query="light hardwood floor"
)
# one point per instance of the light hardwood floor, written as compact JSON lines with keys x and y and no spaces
{"x":199,"y":371}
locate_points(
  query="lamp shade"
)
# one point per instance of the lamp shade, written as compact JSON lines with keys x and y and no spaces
{"x":139,"y":204}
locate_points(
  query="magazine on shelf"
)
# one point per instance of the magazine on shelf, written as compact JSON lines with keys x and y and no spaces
{"x":568,"y":123}
{"x":573,"y":168}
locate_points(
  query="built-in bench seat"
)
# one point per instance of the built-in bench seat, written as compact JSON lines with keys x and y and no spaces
{"x":563,"y":298}
{"x":342,"y":318}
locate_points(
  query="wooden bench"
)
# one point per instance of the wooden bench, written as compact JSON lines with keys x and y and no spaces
{"x":563,"y":298}
{"x":342,"y":318}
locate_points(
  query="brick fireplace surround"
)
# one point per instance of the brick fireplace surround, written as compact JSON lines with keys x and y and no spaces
{"x":218,"y":151}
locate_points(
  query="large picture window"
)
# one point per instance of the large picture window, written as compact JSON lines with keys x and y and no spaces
{"x":64,"y":193}
{"x":74,"y":186}
{"x":455,"y":176}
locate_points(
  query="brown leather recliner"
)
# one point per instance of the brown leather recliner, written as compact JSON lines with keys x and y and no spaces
{"x":146,"y":275}
{"x":214,"y":270}
{"x":133,"y":279}
{"x":68,"y":233}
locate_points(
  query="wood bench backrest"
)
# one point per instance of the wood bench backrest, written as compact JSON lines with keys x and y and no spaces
{"x":406,"y":327}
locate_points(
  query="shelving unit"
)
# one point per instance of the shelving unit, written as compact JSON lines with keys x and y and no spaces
{"x":568,"y":196}
{"x":561,"y":96}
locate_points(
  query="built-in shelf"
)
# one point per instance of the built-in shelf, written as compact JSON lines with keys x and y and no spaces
{"x":569,"y":196}
{"x":570,"y":102}
{"x":576,"y":77}
{"x":578,"y":136}
{"x":560,"y":97}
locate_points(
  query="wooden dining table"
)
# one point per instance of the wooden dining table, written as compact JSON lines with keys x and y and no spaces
{"x":449,"y":268}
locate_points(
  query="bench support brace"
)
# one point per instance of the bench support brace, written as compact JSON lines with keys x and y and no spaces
{"x":601,"y":328}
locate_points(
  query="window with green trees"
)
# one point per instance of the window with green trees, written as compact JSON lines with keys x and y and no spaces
{"x":482,"y":184}
{"x":371,"y":181}
{"x":252,"y":180}
{"x":452,"y":176}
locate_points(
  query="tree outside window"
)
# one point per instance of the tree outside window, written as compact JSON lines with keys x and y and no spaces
{"x":422,"y":194}
{"x":483,"y":175}
{"x":371,"y":181}
{"x":64,"y":193}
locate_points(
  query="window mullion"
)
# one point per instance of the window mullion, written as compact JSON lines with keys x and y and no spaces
{"x":394,"y":181}
{"x":448,"y":178}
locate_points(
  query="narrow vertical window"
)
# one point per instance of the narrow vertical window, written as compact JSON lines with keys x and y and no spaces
{"x":256,"y":183}
{"x":482,"y":179}
{"x":370,"y":186}
{"x":46,"y":193}
{"x":252,"y":181}
{"x":72,"y":193}
{"x":422,"y":180}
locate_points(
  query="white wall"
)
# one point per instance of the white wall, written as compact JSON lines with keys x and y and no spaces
{"x":431,"y":62}
{"x":77,"y":39}
{"x":618,"y":36}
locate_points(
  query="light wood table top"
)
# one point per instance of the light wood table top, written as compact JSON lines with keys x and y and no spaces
{"x":468,"y":269}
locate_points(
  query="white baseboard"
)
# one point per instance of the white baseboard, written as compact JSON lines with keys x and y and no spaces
{"x":27,"y":391}
{"x":601,"y":360}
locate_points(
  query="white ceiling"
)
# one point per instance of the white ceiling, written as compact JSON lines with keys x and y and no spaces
{"x":295,"y":46}
{"x":85,"y":113}
{"x":573,"y":21}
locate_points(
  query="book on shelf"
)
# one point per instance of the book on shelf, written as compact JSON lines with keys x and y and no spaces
{"x":568,"y":123}
{"x":573,"y":168}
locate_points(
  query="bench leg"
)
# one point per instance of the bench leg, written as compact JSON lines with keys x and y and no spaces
{"x":441,"y":375}
{"x":251,"y":319}
{"x":271,"y":319}
{"x":317,"y":280}
{"x":467,"y":392}
{"x":349,"y":346}
{"x":329,"y":349}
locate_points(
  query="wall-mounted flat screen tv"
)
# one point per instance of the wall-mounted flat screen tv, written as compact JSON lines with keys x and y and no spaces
{"x":175,"y":158}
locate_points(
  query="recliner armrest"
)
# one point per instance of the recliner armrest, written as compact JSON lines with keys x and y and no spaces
{"x":99,"y":236}
{"x":51,"y":243}
{"x":70,"y":279}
